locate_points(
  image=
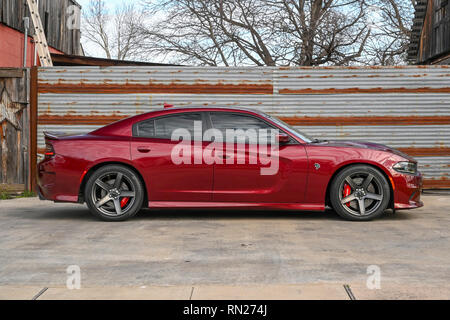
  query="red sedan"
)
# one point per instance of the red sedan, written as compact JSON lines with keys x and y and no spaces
{"x":222,"y":158}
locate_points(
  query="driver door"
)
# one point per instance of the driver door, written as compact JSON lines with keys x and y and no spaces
{"x":245,"y":182}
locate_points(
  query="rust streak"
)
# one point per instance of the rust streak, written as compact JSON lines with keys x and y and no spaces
{"x":368,"y":120}
{"x":426,"y":152}
{"x":365,"y":90}
{"x":436,"y":184}
{"x":96,"y":119}
{"x":174,"y":88}
{"x":80,"y":120}
{"x":362,"y":67}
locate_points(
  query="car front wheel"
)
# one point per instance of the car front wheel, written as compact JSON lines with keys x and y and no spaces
{"x":360,"y":193}
{"x":114,"y":193}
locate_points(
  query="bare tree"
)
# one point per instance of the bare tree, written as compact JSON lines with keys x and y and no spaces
{"x":118,"y":35}
{"x":186,"y":31}
{"x":324,"y":31}
{"x":257,"y":32}
{"x":391,"y":30}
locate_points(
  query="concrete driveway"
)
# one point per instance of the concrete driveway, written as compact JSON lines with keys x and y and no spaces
{"x":168,"y":254}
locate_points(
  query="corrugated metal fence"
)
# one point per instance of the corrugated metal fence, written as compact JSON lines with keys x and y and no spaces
{"x":405,"y":107}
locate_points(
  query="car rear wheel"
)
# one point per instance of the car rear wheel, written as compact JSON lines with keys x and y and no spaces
{"x":114,"y":193}
{"x":360,"y":193}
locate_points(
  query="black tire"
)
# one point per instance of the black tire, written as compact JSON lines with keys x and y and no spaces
{"x":114,"y":193}
{"x":368,"y":188}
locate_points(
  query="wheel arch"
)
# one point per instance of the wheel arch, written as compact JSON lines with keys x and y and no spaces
{"x":383,"y":171}
{"x":97,"y":166}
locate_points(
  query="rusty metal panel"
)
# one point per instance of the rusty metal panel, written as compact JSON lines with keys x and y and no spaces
{"x":395,"y":105}
{"x":436,"y":171}
{"x":62,"y":128}
{"x":434,"y":167}
{"x":428,"y":136}
{"x":155,"y":80}
{"x":404,"y":107}
{"x":375,"y":80}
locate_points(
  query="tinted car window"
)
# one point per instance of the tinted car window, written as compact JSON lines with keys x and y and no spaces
{"x":223,"y":121}
{"x":146,"y":128}
{"x":164,"y":126}
{"x":233,"y":121}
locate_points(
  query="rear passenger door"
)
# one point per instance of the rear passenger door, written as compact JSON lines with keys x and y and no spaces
{"x":151,"y":151}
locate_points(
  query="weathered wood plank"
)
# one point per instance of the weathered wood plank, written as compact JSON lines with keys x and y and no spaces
{"x":13,"y":138}
{"x":11,"y":73}
{"x":12,"y":188}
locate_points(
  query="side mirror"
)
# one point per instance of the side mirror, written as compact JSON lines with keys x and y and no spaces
{"x":283,"y":138}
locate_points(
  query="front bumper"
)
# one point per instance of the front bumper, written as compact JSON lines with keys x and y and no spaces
{"x":407,"y":191}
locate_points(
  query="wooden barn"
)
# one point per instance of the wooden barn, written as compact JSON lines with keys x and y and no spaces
{"x":430,"y":37}
{"x":63,"y":36}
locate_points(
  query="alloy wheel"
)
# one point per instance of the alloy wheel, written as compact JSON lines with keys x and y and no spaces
{"x":361,"y":193}
{"x":113,"y":194}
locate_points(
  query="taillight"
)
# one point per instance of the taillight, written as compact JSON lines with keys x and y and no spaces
{"x":49,"y":151}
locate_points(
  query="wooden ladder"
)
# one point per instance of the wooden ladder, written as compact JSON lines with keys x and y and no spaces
{"x":39,"y":35}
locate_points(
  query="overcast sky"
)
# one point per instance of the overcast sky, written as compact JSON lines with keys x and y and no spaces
{"x":109,"y":3}
{"x":89,"y":48}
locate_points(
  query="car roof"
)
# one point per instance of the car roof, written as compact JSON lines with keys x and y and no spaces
{"x":121,"y":124}
{"x":191,"y":108}
{"x":174,"y":110}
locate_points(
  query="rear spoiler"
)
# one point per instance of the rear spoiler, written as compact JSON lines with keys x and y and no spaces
{"x":56,"y":135}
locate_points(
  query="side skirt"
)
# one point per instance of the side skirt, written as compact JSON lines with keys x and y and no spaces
{"x":236,"y":205}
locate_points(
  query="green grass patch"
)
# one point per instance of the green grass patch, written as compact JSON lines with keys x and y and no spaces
{"x":5,"y":196}
{"x":27,"y":194}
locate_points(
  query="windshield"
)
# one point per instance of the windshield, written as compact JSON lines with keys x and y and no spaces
{"x":289,"y":128}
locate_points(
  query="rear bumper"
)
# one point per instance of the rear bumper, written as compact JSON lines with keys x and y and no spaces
{"x":46,"y":184}
{"x":55,"y":183}
{"x":41,"y":197}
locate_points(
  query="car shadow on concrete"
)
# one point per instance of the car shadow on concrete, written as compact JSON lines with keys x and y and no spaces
{"x":219,"y":214}
{"x":208,"y":214}
{"x":82,"y":213}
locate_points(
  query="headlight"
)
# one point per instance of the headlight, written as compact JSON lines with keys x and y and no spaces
{"x":406,"y":167}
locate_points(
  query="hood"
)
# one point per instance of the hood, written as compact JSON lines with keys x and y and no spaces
{"x":365,"y":145}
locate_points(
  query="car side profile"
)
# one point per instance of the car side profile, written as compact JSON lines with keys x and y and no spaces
{"x":136,"y":163}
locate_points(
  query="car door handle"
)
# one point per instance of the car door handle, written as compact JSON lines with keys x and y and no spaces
{"x":143,"y":149}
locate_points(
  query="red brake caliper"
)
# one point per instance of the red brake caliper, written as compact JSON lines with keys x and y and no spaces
{"x":124,"y":202}
{"x":346,"y":192}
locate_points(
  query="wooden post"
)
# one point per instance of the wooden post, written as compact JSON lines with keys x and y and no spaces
{"x":32,"y":180}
